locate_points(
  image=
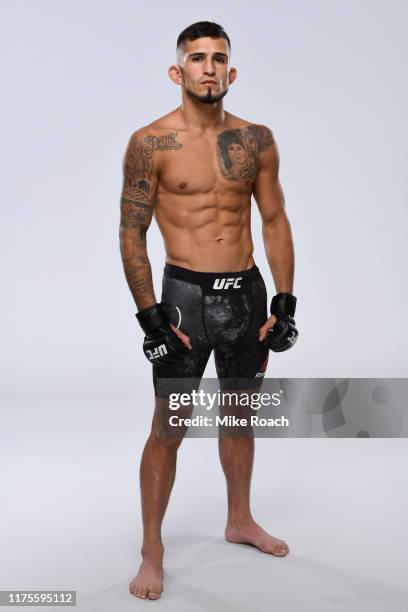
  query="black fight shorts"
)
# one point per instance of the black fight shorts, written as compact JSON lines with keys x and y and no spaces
{"x":221,"y":312}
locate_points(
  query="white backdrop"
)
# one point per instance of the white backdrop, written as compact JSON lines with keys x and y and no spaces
{"x":328,"y":77}
{"x":79,"y":78}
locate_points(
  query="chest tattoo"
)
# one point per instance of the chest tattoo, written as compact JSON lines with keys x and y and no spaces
{"x":167,"y":142}
{"x":238,"y":150}
{"x":139,"y":162}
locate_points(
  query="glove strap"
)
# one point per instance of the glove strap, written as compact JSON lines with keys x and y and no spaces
{"x":152,"y":318}
{"x":283,"y":304}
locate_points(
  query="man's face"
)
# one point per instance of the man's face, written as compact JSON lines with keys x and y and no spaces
{"x":204,"y":66}
{"x":236,"y":153}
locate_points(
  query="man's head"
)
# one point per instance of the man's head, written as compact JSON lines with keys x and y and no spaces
{"x":203,"y":53}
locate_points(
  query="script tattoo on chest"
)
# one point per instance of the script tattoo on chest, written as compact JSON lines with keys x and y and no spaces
{"x":161,"y":143}
{"x":137,"y":182}
{"x":238,"y":150}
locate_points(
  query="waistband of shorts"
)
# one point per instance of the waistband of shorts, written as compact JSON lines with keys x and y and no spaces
{"x":215,"y":282}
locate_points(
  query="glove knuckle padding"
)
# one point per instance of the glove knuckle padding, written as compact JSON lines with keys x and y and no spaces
{"x":284,"y":333}
{"x":161,"y":345}
{"x":283,"y":336}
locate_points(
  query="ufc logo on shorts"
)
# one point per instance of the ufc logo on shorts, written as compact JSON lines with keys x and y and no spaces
{"x":225,"y":283}
{"x":159,"y":351}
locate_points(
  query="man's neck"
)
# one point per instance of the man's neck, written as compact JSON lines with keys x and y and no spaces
{"x":197,"y":115}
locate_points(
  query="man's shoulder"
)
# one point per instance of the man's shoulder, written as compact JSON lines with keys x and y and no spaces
{"x":235,"y":122}
{"x":165,"y":124}
{"x":256,"y":132}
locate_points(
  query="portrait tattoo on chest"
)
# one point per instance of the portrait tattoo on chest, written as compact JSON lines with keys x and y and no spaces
{"x":238,"y":150}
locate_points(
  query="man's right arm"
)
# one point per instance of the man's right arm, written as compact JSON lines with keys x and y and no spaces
{"x":140,"y":179}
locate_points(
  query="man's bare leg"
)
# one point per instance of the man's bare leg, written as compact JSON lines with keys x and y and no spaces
{"x":237,"y":455}
{"x":157,"y":474}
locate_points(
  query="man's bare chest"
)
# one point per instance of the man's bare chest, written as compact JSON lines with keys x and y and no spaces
{"x":227,"y":161}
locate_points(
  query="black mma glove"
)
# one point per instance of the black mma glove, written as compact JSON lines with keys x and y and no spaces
{"x":161,"y":345}
{"x":284,"y":333}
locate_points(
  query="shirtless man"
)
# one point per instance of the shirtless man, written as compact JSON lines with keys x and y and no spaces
{"x":196,"y":169}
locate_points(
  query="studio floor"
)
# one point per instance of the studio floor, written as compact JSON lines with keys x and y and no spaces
{"x":70,"y":514}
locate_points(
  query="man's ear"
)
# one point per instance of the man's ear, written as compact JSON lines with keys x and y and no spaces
{"x":175,"y":74}
{"x":232,"y":75}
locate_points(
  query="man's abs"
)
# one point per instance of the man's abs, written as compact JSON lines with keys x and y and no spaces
{"x":203,"y":234}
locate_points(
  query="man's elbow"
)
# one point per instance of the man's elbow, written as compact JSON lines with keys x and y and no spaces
{"x":132,"y":241}
{"x":275,"y":223}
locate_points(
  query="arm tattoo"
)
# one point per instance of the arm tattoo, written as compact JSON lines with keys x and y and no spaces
{"x":138,"y":165}
{"x":238,"y":151}
{"x":137,"y":202}
{"x":136,"y":265}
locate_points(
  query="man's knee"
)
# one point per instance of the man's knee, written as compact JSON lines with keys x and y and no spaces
{"x":165,"y":435}
{"x":162,"y":441}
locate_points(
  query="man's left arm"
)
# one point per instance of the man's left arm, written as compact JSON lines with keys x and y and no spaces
{"x":276,"y":231}
{"x":277,"y":237}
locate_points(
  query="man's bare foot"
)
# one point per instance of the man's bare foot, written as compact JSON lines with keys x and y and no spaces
{"x":148,"y":582}
{"x":252,"y":533}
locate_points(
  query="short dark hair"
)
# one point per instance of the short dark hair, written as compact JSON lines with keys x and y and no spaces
{"x":201,"y":29}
